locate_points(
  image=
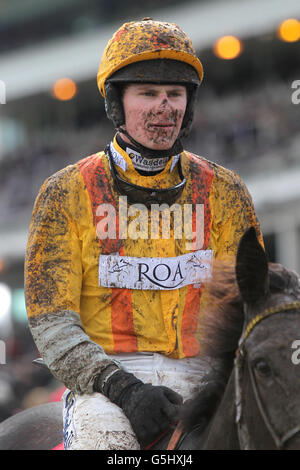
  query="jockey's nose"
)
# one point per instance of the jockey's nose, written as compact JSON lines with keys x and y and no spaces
{"x":163,"y":103}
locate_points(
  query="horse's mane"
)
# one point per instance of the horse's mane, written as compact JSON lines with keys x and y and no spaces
{"x":221,"y":318}
{"x":220,"y":328}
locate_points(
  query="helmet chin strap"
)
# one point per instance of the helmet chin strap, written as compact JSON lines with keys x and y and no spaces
{"x":150,"y":153}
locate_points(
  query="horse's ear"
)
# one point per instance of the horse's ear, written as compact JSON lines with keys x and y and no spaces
{"x":251,"y":268}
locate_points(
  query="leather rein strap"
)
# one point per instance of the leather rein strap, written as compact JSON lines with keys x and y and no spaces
{"x":174,"y":439}
{"x":178,"y":431}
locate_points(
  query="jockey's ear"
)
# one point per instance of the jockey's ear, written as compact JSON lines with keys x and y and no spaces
{"x":252,"y":268}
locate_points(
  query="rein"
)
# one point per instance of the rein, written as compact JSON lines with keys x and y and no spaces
{"x":239,"y":365}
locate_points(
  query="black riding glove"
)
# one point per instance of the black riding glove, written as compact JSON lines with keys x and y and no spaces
{"x":150,"y":409}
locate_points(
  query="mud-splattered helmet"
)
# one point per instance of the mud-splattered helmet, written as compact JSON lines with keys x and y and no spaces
{"x":148,"y":51}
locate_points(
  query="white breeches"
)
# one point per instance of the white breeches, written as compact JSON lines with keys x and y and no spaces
{"x":92,"y":422}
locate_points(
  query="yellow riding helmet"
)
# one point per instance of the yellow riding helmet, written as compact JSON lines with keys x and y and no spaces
{"x":143,"y":41}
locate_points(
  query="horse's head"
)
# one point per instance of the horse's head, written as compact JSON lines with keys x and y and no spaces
{"x":267,"y":364}
{"x":250,"y":324}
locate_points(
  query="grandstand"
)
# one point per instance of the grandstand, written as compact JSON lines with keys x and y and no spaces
{"x":245,"y":119}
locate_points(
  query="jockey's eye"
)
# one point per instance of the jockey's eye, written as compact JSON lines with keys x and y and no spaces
{"x":175,"y":93}
{"x":148,"y":93}
{"x":262,"y":368}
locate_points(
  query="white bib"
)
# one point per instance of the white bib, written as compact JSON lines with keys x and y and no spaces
{"x":128,"y":272}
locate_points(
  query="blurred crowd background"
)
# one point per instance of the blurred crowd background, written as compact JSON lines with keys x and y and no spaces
{"x":247,"y":119}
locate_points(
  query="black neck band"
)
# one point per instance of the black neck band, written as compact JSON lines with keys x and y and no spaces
{"x":149,"y":153}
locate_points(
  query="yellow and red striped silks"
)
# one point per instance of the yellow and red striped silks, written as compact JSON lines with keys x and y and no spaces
{"x":63,"y":253}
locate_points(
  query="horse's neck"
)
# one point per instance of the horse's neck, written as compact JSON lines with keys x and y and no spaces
{"x":222,"y":429}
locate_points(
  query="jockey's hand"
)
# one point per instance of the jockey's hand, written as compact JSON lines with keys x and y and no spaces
{"x":150,"y":409}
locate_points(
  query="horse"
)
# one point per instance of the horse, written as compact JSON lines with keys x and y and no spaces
{"x":248,"y":325}
{"x":253,"y":401}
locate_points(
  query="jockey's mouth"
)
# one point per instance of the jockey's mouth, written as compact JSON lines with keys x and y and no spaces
{"x":161,"y":126}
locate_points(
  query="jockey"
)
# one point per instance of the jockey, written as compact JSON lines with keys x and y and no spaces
{"x":121,"y":243}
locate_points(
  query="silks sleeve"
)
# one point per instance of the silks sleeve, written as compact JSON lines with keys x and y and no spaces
{"x":234,"y":213}
{"x":53,"y":278}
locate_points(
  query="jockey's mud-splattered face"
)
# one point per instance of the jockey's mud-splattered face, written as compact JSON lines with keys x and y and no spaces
{"x":154,"y":114}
